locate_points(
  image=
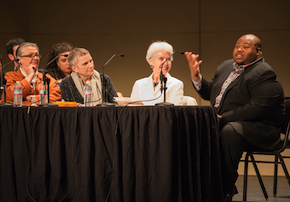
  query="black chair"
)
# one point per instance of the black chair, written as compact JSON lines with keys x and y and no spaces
{"x":277,"y":153}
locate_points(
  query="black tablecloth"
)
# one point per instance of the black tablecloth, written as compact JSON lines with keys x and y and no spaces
{"x":114,"y":153}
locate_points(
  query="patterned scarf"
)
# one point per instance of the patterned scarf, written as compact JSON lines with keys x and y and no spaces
{"x":95,"y":83}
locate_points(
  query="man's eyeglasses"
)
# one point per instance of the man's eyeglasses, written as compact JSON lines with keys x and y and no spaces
{"x":32,"y":56}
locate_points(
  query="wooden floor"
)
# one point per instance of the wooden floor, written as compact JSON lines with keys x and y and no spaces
{"x":255,"y":192}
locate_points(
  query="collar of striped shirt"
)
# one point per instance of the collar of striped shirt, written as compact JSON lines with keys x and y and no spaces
{"x":237,"y":67}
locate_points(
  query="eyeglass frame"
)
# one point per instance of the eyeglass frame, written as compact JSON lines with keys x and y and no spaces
{"x":31,"y":56}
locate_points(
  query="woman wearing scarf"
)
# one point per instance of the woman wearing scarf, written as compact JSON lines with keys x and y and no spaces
{"x":72,"y":87}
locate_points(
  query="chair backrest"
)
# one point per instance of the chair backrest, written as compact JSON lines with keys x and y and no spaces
{"x":286,"y":124}
{"x":187,"y":100}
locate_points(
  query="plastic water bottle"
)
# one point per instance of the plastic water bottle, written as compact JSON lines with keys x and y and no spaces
{"x":43,"y":94}
{"x":17,"y":98}
{"x":88,"y":94}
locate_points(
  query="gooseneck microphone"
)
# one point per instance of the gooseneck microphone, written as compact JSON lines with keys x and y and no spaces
{"x":163,"y":81}
{"x":111,"y":59}
{"x":16,"y":60}
{"x":51,"y":61}
{"x":46,"y":81}
{"x":105,"y":102}
{"x":181,"y":52}
{"x":65,"y":55}
{"x":161,"y":73}
{"x":3,"y":84}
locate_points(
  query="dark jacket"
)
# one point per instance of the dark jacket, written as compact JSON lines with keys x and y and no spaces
{"x":255,"y":99}
{"x":69,"y":91}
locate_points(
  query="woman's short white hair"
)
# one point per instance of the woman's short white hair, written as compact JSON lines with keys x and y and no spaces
{"x":157,"y":47}
{"x":75,"y":54}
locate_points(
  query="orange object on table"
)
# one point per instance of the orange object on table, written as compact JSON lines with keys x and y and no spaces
{"x":66,"y":104}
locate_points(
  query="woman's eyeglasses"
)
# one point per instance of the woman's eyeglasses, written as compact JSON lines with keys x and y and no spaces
{"x":32,"y":56}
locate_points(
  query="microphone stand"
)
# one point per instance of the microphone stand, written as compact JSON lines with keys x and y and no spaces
{"x":163,"y":81}
{"x":46,"y":81}
{"x":3,"y":86}
{"x":105,"y":102}
{"x":163,"y":88}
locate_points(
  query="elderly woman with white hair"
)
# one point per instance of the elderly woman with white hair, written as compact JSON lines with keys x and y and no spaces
{"x":149,"y":88}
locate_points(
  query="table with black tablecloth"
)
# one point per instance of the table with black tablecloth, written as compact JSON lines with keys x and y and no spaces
{"x":137,"y":153}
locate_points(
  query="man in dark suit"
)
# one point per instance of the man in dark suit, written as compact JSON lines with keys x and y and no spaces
{"x":249,"y":102}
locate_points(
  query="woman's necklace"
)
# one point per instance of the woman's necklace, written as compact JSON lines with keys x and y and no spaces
{"x":155,"y":84}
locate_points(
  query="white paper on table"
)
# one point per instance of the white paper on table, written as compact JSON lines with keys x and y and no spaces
{"x":127,"y":100}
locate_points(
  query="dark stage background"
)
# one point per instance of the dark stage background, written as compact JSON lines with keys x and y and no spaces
{"x":208,"y":27}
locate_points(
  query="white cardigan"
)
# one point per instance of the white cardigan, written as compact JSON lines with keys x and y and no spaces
{"x":143,"y":90}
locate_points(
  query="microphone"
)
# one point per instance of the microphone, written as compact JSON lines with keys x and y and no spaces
{"x":16,"y":60}
{"x":2,"y":74}
{"x":47,"y":81}
{"x":122,"y":55}
{"x":161,"y":73}
{"x":65,"y":55}
{"x":163,"y":81}
{"x":45,"y":71}
{"x":181,"y":52}
{"x":105,"y":82}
